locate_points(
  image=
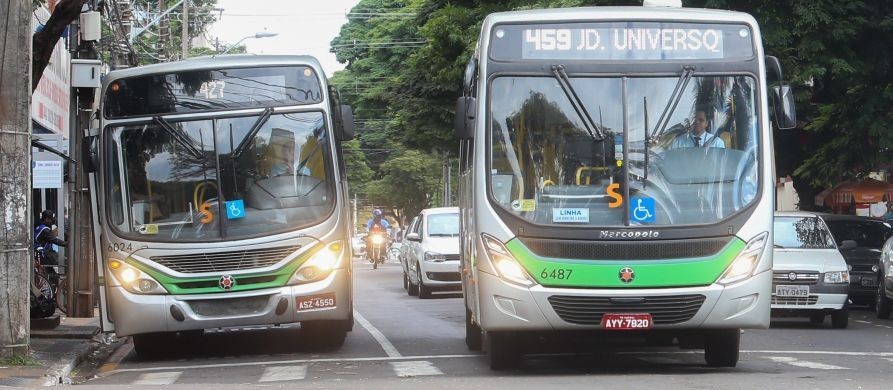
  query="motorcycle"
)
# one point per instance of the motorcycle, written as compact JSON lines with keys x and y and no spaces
{"x":377,"y":247}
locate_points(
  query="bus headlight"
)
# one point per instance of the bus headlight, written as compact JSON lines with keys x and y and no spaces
{"x":508,"y":268}
{"x":320,"y":265}
{"x":746,"y":261}
{"x":134,"y":280}
{"x":836,"y":277}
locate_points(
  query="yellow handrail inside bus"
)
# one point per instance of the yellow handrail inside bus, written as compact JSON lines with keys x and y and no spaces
{"x":582,"y":169}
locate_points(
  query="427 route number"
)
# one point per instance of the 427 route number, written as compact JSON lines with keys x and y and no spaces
{"x":556,"y":273}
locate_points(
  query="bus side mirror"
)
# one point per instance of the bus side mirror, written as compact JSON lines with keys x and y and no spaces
{"x":92,"y":153}
{"x":466,"y":107}
{"x":347,"y":125}
{"x":785,"y":111}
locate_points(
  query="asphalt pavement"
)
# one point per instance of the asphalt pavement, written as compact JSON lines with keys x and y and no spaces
{"x":406,"y":342}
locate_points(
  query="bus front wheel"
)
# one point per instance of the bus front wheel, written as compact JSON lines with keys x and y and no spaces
{"x":721,"y":347}
{"x":503,"y":350}
{"x":472,"y":333}
{"x":325,"y":334}
{"x":153,"y":345}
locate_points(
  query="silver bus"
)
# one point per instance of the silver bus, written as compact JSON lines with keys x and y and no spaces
{"x":616,"y":178}
{"x":221,"y":199}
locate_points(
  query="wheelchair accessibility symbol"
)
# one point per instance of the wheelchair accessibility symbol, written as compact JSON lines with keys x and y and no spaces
{"x":641,"y":210}
{"x":235,"y":209}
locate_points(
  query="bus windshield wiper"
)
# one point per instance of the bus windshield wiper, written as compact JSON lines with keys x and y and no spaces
{"x":595,"y":131}
{"x":264,"y":117}
{"x":178,"y":136}
{"x":687,"y":72}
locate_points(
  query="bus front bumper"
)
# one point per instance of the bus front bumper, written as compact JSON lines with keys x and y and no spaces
{"x":138,"y":314}
{"x":509,"y":307}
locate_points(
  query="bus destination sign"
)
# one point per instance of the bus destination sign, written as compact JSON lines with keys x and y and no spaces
{"x":621,"y":41}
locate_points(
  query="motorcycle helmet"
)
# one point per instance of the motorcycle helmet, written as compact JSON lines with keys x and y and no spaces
{"x":376,"y":213}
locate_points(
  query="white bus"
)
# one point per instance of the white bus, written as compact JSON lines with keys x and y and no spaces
{"x":617,"y":176}
{"x":221,"y":199}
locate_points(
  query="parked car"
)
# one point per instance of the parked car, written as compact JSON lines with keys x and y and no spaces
{"x":809,"y":275}
{"x":403,"y":249}
{"x":432,"y":256}
{"x":884,"y":296}
{"x":860,"y":240}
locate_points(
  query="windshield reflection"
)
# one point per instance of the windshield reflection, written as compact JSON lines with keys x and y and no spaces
{"x":548,"y":169}
{"x":278,"y":183}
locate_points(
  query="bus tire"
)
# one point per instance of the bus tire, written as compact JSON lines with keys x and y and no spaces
{"x":153,"y":345}
{"x":405,"y":281}
{"x":503,"y":350}
{"x":840,"y":318}
{"x":472,"y":333}
{"x":324,"y":334}
{"x":721,"y":347}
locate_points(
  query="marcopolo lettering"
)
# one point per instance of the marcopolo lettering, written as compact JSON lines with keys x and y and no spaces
{"x":612,"y":234}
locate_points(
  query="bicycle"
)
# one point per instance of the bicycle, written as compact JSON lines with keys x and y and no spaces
{"x":49,"y":291}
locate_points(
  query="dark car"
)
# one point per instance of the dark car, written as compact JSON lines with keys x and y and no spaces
{"x":860,"y":240}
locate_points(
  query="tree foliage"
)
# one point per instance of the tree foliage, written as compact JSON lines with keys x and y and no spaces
{"x":408,"y":182}
{"x":838,"y":55}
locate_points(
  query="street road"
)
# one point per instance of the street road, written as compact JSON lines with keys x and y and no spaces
{"x":405,"y":342}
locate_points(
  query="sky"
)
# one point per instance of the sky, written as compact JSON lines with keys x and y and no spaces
{"x":304,"y":26}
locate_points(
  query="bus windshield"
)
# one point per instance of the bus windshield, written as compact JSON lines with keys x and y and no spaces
{"x":190,"y":181}
{"x":698,"y":168}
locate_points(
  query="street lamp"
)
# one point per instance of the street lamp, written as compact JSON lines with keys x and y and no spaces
{"x":262,"y":34}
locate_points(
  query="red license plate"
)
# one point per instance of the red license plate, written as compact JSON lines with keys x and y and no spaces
{"x":636,"y":321}
{"x":312,"y":302}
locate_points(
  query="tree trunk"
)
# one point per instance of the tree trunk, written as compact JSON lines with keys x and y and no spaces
{"x":44,"y":42}
{"x":15,"y":175}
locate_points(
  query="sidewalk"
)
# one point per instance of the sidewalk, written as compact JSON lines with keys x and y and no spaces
{"x":54,"y":353}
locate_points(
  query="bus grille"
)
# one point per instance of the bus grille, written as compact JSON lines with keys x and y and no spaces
{"x":225,"y":261}
{"x":625,"y":250}
{"x":583,"y":310}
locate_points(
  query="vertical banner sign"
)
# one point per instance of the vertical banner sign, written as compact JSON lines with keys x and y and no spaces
{"x":50,"y":101}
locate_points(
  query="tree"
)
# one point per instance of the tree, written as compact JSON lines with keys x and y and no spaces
{"x":408,"y":183}
{"x":44,"y":41}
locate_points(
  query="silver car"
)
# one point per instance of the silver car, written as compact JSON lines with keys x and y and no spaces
{"x":809,"y":275}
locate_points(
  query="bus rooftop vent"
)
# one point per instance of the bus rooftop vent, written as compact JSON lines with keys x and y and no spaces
{"x":662,"y":3}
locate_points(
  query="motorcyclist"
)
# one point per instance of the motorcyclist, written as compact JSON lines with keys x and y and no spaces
{"x":377,"y":224}
{"x":45,"y":238}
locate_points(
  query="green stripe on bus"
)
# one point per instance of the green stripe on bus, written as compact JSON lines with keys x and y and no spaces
{"x":653,"y":273}
{"x":205,"y":285}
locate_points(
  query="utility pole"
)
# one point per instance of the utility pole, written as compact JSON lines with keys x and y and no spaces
{"x":184,"y":39}
{"x":446,"y":181}
{"x":15,"y":176}
{"x":163,"y":32}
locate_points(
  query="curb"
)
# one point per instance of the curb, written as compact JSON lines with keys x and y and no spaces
{"x":58,"y":373}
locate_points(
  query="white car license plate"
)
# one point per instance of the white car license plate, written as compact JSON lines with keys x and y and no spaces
{"x":792,"y":291}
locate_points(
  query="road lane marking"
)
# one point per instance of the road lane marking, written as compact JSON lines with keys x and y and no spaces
{"x":115,"y":359}
{"x":281,"y":362}
{"x":862,"y":322}
{"x":283,"y":373}
{"x":415,"y":368}
{"x":386,"y":345}
{"x":158,"y":378}
{"x":806,"y":364}
{"x":840,"y":353}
